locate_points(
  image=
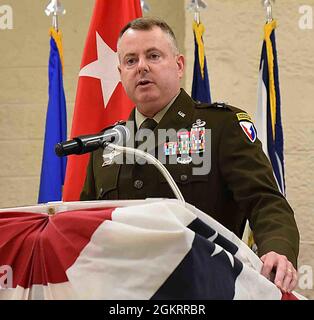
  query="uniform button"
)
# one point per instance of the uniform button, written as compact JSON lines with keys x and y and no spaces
{"x":138,"y":184}
{"x":183,"y":177}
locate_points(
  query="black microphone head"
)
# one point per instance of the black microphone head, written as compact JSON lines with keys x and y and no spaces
{"x":118,"y":134}
{"x":68,"y":147}
{"x":59,"y":150}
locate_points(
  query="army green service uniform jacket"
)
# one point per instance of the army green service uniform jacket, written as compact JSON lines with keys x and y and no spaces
{"x":239,"y":186}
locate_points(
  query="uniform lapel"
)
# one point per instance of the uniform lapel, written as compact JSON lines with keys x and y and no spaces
{"x":180,"y":114}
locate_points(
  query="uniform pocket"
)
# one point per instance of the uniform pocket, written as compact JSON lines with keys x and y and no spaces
{"x":194,"y":188}
{"x":107,"y":182}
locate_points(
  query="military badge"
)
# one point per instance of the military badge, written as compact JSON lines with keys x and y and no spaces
{"x":249,"y":130}
{"x":184,"y":147}
{"x":197,"y":137}
{"x":109,"y":157}
{"x":170,"y":148}
{"x":199,"y":123}
{"x":243,"y":116}
{"x":181,"y":114}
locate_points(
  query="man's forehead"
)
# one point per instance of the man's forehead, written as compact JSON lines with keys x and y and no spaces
{"x":151,"y":35}
{"x":127,"y":42}
{"x":139,"y":32}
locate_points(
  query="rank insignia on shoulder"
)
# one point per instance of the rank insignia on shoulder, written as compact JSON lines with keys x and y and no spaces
{"x":220,"y":104}
{"x":249,"y":130}
{"x":243,"y":116}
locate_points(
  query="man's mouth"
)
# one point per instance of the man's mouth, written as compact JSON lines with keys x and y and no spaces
{"x":143,"y":83}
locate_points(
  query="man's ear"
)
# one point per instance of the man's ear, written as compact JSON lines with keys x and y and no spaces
{"x":180,"y":64}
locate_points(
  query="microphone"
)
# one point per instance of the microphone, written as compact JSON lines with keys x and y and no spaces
{"x":83,"y":144}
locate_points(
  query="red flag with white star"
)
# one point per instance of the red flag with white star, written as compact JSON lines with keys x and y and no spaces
{"x":100,"y":98}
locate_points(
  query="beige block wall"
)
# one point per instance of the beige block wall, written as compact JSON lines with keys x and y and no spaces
{"x":233,"y":43}
{"x":24,"y":54}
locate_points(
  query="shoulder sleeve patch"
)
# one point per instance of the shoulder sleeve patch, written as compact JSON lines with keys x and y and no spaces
{"x":249,"y":130}
{"x":243,"y":116}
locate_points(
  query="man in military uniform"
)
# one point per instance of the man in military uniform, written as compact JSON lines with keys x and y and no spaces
{"x":239,"y":186}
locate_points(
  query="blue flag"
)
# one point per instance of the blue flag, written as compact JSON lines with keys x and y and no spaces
{"x":268,"y":117}
{"x":200,"y":86}
{"x":53,"y":167}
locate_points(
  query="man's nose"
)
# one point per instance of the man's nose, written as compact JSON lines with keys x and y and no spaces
{"x":143,"y":66}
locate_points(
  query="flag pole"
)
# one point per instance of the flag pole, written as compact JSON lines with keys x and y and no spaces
{"x":55,"y":9}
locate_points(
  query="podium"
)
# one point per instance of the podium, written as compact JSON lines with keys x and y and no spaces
{"x":116,"y":250}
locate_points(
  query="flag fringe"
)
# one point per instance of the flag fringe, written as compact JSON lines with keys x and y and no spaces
{"x":268,"y":29}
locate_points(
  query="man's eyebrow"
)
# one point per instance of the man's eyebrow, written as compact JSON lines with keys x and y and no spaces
{"x":129,"y":54}
{"x":132,"y":54}
{"x":152,"y":49}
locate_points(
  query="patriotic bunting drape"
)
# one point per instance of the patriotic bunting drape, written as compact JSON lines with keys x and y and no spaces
{"x":127,"y":250}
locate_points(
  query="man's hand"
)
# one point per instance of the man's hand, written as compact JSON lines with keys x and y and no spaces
{"x":285,"y":275}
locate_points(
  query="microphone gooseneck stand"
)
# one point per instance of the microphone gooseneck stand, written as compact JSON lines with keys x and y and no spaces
{"x":151,"y":160}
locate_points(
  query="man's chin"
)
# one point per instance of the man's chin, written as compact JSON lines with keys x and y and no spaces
{"x":148,"y":100}
{"x":149,"y":107}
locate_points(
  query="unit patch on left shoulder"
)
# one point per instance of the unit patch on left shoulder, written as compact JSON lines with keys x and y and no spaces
{"x":249,"y":130}
{"x":243,"y":116}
